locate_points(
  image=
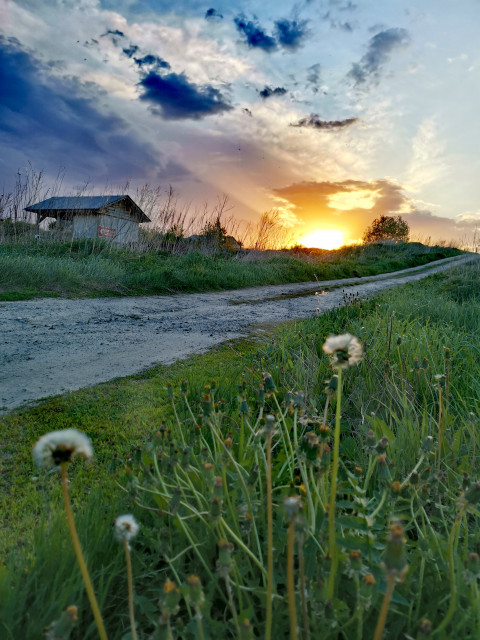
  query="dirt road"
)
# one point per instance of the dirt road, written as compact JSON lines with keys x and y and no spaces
{"x":50,"y":346}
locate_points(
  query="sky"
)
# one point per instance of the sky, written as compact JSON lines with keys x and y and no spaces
{"x":333,"y":112}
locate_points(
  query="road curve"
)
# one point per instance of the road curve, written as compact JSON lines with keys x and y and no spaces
{"x":51,"y":346}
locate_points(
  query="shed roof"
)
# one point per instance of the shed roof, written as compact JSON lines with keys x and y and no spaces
{"x":62,"y":205}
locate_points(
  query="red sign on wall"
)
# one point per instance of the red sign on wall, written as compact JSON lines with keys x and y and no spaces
{"x":106,"y":232}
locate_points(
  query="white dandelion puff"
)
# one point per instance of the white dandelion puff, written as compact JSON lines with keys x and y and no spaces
{"x":126,"y":527}
{"x":344,"y":350}
{"x":61,"y":446}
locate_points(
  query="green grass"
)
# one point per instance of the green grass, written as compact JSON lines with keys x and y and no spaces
{"x":86,"y":268}
{"x":131,"y":422}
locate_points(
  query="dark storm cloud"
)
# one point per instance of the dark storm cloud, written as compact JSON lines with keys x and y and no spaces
{"x":255,"y":35}
{"x":314,"y":121}
{"x":268,"y":92}
{"x":213,"y":14}
{"x":150,"y":60}
{"x":175,"y":97}
{"x":379,"y":50}
{"x":51,"y":122}
{"x":291,"y":33}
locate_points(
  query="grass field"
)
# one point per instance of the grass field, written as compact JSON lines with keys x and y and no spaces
{"x":87,"y":268}
{"x":188,"y":450}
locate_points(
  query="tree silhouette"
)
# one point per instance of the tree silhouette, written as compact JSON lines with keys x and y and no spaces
{"x":387,"y":228}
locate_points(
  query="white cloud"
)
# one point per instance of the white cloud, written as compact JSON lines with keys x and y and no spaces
{"x":428,"y":161}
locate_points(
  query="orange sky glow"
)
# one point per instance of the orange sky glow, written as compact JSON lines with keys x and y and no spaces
{"x":323,"y":239}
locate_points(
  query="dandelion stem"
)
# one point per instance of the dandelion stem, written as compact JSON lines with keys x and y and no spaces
{"x":382,"y":618}
{"x":332,"y":545}
{"x":80,"y":559}
{"x":290,"y":581}
{"x":414,"y":470}
{"x":268,"y":624}
{"x":374,"y":514}
{"x":198,"y":619}
{"x":130,"y":589}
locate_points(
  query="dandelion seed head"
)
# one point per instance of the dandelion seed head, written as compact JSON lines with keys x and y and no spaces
{"x":344,"y":350}
{"x":126,"y":527}
{"x":292,"y":505}
{"x":61,"y":446}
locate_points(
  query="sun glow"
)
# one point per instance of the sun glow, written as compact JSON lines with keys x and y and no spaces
{"x":323,"y":239}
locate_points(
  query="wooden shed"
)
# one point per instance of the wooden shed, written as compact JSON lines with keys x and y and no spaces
{"x":114,"y":217}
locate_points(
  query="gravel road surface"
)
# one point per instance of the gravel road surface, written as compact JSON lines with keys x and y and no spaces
{"x":50,"y":346}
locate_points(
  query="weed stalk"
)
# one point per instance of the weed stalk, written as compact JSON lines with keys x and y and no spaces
{"x":332,"y":546}
{"x":79,"y":554}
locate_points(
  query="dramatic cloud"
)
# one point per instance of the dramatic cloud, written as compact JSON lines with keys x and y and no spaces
{"x":354,"y":204}
{"x":379,"y":50}
{"x":268,"y":92}
{"x":116,"y":32}
{"x":213,"y":14}
{"x":174,"y":97}
{"x":55,"y":123}
{"x":255,"y":35}
{"x":291,"y":33}
{"x":147,"y":60}
{"x":315,"y":122}
{"x":150,"y":60}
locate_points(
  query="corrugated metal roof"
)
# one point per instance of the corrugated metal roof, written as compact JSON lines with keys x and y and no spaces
{"x":73,"y":203}
{"x":60,"y":206}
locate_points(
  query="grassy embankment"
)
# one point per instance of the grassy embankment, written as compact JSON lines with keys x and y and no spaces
{"x":84,"y":268}
{"x":423,"y":398}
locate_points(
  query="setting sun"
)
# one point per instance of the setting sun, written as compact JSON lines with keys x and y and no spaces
{"x":323,"y":239}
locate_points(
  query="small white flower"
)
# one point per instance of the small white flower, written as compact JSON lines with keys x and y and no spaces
{"x":344,"y":350}
{"x":126,"y":527}
{"x":61,"y":446}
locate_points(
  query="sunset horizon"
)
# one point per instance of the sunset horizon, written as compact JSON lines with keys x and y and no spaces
{"x":331,"y":112}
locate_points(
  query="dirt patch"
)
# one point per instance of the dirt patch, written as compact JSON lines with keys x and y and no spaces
{"x":50,"y":346}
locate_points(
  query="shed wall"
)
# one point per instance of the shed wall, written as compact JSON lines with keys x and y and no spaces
{"x":117,"y":225}
{"x":85,"y":226}
{"x":114,"y":224}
